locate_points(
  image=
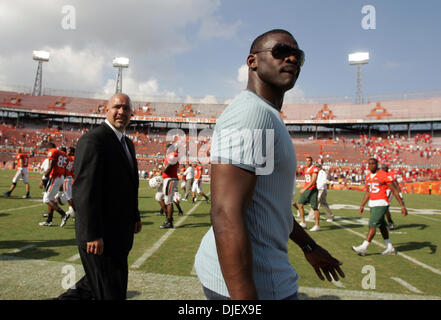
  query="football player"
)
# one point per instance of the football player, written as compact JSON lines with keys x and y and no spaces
{"x":196,"y":189}
{"x":170,"y":184}
{"x":55,"y":172}
{"x":22,"y":173}
{"x":377,"y":182}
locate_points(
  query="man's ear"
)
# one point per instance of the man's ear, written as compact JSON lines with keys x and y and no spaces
{"x":252,"y":61}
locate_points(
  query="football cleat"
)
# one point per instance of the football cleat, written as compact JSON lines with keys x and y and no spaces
{"x":389,"y":251}
{"x":46,"y":224}
{"x":315,"y":228}
{"x":359,"y":250}
{"x":64,"y":219}
{"x":167,"y":225}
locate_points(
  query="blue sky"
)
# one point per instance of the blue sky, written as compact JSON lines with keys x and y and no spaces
{"x":195,"y":48}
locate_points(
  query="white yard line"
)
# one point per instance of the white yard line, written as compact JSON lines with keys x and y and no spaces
{"x":353,"y":294}
{"x":338,"y":283}
{"x":74,"y":258}
{"x":423,"y":265}
{"x":158,"y":244}
{"x":22,"y":248}
{"x":15,"y":209}
{"x":407,"y":285}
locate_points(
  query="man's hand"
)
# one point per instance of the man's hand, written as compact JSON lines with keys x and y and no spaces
{"x":302,"y":191}
{"x":403,"y":211}
{"x":95,"y":247}
{"x":41,"y":185}
{"x":322,"y":261}
{"x":361,"y":209}
{"x":138,"y":227}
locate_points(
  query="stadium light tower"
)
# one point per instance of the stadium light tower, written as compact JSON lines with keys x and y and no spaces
{"x":40,"y":56}
{"x":358,"y":59}
{"x":120,"y":63}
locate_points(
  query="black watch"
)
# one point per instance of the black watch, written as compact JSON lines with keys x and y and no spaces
{"x":308,"y":248}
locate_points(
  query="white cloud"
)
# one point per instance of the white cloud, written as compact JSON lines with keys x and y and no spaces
{"x":242,"y":74}
{"x":151,"y":33}
{"x":208,"y":99}
{"x":69,"y":68}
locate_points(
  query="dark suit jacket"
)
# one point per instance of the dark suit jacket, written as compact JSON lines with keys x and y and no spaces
{"x":105,"y":191}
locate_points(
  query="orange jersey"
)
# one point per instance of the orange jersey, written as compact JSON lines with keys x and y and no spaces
{"x":308,"y":172}
{"x":377,"y":185}
{"x":198,"y":172}
{"x":69,"y":166}
{"x":22,"y":160}
{"x":171,"y":158}
{"x":60,"y":160}
{"x":393,"y":175}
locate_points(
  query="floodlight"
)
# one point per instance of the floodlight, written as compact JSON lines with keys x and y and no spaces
{"x":40,"y":55}
{"x":358,"y":58}
{"x":120,"y":62}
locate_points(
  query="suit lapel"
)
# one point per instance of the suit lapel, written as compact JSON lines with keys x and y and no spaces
{"x":120,"y":150}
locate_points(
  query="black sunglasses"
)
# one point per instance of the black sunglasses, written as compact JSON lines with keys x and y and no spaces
{"x":281,"y":51}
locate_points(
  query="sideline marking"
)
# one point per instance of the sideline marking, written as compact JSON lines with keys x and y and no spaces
{"x":158,"y":243}
{"x":407,"y":285}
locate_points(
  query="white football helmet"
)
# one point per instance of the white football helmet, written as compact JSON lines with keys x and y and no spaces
{"x":61,"y":197}
{"x":155,"y":182}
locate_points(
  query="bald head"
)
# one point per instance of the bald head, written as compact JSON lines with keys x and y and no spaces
{"x":119,"y":111}
{"x":118,"y":97}
{"x":260,"y":40}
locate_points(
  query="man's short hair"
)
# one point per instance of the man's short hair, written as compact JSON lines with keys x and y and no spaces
{"x":51,"y":145}
{"x":373,"y":159}
{"x":256,"y":45}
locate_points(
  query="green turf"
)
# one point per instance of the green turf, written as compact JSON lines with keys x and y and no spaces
{"x":416,"y":236}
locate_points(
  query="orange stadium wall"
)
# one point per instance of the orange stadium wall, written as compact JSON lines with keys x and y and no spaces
{"x":428,"y":187}
{"x":414,"y":187}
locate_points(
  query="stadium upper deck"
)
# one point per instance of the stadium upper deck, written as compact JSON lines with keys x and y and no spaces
{"x":389,"y":111}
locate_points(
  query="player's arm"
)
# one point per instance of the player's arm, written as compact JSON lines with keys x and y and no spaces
{"x":319,"y":258}
{"x":395,"y":192}
{"x":47,"y":172}
{"x":365,"y":200}
{"x":232,"y":189}
{"x":397,"y":186}
{"x":50,"y":167}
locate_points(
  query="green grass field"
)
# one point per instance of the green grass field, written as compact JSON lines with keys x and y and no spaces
{"x":33,"y":259}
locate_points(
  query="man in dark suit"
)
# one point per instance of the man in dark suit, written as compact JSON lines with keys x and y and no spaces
{"x":105,"y":194}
